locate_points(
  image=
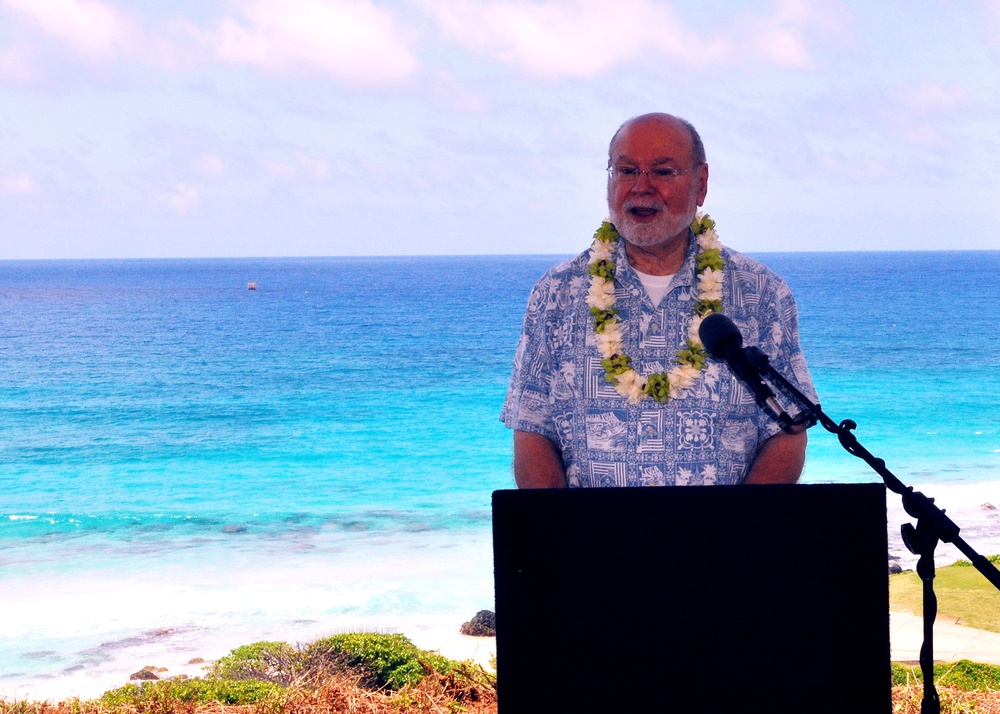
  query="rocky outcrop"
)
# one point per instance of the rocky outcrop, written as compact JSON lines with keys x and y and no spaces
{"x":483,"y":624}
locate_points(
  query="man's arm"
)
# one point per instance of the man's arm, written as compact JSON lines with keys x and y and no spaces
{"x":780,"y":459}
{"x":537,"y":462}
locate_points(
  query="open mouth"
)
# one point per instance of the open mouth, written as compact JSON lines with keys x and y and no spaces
{"x":643,"y":212}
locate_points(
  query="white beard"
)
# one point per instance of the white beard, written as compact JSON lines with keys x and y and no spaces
{"x":667,"y":225}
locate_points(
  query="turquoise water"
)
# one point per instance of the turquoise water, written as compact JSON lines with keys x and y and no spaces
{"x":181,"y":454}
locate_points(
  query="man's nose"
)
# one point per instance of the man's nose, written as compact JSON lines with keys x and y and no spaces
{"x":643,"y":184}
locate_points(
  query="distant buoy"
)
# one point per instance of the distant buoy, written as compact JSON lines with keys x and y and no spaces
{"x":251,"y":286}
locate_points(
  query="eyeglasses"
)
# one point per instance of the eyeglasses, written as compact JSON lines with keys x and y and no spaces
{"x":661,"y":174}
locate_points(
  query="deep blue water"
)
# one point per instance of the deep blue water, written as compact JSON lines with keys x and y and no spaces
{"x":160,"y":412}
{"x":366,"y":391}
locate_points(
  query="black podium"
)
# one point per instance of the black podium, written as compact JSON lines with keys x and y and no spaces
{"x":767,"y":599}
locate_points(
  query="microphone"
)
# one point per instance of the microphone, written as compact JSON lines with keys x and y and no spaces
{"x":722,"y":340}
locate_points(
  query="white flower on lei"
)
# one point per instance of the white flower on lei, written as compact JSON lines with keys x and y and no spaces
{"x":681,"y":377}
{"x":601,"y":250}
{"x":630,"y":386}
{"x":693,"y":329}
{"x":710,"y":284}
{"x":609,"y":342}
{"x":709,"y":240}
{"x":601,"y":294}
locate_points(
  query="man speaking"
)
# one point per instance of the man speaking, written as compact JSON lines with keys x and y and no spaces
{"x":611,"y":385}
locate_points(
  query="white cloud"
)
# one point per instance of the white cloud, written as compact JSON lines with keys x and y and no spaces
{"x":579,"y":38}
{"x":992,"y":24}
{"x":932,"y":97}
{"x":449,"y":93}
{"x":583,"y":38}
{"x":90,"y":27}
{"x":19,"y":184}
{"x":351,"y":40}
{"x":16,"y":66}
{"x":210,"y":165}
{"x":184,"y":198}
{"x":780,"y":38}
{"x":297,"y":167}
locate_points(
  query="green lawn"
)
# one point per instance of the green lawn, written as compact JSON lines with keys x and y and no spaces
{"x":962,"y":593}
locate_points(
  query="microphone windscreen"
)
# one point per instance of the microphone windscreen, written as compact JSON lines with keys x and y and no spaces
{"x":719,"y":335}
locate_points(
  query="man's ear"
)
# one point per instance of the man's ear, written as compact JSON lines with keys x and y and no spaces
{"x":702,"y":186}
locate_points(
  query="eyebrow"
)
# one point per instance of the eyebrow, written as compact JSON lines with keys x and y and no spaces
{"x":654,"y":162}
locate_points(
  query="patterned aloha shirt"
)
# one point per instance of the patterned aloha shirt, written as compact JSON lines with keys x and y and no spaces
{"x":709,"y":434}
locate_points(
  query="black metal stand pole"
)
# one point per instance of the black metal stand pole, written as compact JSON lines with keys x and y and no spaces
{"x":932,"y":523}
{"x":922,"y":541}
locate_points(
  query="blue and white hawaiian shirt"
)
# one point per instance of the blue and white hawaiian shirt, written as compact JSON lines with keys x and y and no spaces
{"x":709,"y":434}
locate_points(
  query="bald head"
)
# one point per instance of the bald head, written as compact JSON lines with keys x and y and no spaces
{"x":668,"y":122}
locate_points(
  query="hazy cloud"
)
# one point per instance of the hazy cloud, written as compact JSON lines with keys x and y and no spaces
{"x":583,"y":38}
{"x":350,"y":40}
{"x":778,"y":38}
{"x":90,"y":27}
{"x":933,"y":97}
{"x":210,"y":165}
{"x":16,"y":66}
{"x":183,"y":198}
{"x":17,"y":184}
{"x":578,"y":38}
{"x":297,"y":167}
{"x":992,"y":28}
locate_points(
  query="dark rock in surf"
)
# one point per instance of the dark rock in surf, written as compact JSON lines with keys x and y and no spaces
{"x":483,"y":624}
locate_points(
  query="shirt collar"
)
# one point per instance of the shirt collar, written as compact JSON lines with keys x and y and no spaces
{"x":625,"y":273}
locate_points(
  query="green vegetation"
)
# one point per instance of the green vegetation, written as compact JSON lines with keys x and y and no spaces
{"x":379,"y":661}
{"x":965,"y":675}
{"x":265,"y":661}
{"x":389,"y":661}
{"x":963,"y":594}
{"x":995,"y":559}
{"x":148,"y":695}
{"x":360,"y":673}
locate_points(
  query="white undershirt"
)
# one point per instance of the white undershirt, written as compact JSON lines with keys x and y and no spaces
{"x":656,"y":285}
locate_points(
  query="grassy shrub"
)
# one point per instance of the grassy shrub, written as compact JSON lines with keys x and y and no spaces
{"x":964,"y":675}
{"x":153,"y":695}
{"x":963,"y":563}
{"x":382,"y":661}
{"x":277,"y":662}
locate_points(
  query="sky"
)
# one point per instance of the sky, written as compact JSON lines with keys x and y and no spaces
{"x":228,"y":128}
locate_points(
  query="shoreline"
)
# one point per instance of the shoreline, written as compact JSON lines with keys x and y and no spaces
{"x":952,"y":643}
{"x":437,"y":634}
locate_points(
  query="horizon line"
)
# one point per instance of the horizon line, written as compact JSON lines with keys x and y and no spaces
{"x":461,"y":255}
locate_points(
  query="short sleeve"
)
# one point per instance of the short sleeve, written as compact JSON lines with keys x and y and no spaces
{"x":528,"y":406}
{"x":779,"y":340}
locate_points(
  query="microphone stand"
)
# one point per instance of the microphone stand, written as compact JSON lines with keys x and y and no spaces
{"x":921,"y":540}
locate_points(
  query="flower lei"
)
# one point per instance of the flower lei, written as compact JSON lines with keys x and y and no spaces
{"x":601,"y":297}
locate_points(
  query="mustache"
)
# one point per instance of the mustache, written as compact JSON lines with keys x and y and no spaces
{"x":654,"y":205}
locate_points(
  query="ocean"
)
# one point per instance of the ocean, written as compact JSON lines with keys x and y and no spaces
{"x":187,"y":465}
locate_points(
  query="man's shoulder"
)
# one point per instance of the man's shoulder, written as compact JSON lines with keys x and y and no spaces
{"x":571,"y":267}
{"x":567,"y":275}
{"x":755,"y":284}
{"x":741,"y":263}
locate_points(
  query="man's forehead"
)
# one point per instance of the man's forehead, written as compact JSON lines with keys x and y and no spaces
{"x":625,"y":158}
{"x":669,"y":139}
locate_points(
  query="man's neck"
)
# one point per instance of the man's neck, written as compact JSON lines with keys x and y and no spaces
{"x":662,"y":259}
